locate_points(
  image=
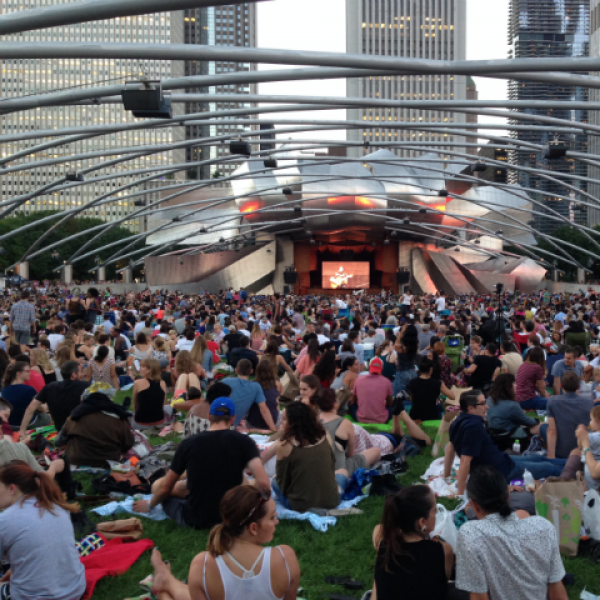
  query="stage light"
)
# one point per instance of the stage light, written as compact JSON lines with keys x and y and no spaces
{"x":176,"y":219}
{"x":240,"y":147}
{"x":287,"y":191}
{"x":148,"y":103}
{"x":443,"y":193}
{"x":423,"y":211}
{"x":270,"y":163}
{"x":478,"y":167}
{"x":297,"y":209}
{"x":139,"y":203}
{"x":406,"y":222}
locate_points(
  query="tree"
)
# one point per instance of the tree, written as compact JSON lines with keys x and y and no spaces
{"x":41,"y":267}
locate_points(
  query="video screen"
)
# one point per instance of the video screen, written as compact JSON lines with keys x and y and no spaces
{"x":346,"y":275}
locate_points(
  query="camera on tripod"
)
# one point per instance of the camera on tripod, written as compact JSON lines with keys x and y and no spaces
{"x":499,"y":287}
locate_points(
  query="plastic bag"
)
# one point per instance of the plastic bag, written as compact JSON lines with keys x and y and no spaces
{"x":591,"y":514}
{"x":444,"y":526}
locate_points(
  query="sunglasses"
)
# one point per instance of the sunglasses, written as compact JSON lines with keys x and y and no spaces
{"x":265,"y":496}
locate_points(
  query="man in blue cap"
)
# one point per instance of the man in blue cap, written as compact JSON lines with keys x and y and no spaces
{"x":214,"y":462}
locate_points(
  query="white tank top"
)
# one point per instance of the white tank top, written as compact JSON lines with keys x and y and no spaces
{"x":249,"y":586}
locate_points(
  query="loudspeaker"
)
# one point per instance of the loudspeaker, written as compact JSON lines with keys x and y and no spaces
{"x":148,"y":103}
{"x":403,"y":277}
{"x":290,"y":277}
{"x":286,"y":289}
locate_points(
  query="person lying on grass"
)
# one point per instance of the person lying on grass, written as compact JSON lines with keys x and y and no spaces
{"x":236,"y":565}
{"x":204,"y":468}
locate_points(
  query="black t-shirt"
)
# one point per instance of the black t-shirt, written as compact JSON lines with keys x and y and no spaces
{"x":486,"y":365}
{"x":215,"y":462}
{"x":233,"y":340}
{"x":62,"y":397}
{"x":424,"y":394}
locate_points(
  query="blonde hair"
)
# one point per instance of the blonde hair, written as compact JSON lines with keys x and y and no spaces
{"x":184,"y":363}
{"x":87,"y":337}
{"x":198,"y":349}
{"x":155,"y":370}
{"x":41,"y":359}
{"x":62,"y":356}
{"x":159,"y":343}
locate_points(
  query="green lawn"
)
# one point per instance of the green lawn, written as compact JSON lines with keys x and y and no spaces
{"x":344,"y":549}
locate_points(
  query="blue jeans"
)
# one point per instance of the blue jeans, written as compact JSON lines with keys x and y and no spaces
{"x":539,"y":466}
{"x":535,"y":403}
{"x":402,"y":380}
{"x":353,"y":409}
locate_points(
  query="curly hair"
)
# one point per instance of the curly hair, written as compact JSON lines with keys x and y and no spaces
{"x":503,"y":388}
{"x":302,"y":425}
{"x":184,"y":363}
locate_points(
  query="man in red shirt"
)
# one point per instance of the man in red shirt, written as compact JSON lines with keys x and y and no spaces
{"x":371,"y":400}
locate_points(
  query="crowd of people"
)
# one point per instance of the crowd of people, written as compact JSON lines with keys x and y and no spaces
{"x":311,"y":371}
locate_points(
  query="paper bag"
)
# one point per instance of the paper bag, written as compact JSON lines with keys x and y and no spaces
{"x":291,"y":388}
{"x":443,"y":435}
{"x":457,"y":393}
{"x":126,"y":529}
{"x":561,"y":503}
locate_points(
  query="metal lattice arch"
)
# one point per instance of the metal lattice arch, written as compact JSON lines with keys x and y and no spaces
{"x":316,"y":190}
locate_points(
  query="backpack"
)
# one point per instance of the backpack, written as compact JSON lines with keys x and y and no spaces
{"x":124,"y":483}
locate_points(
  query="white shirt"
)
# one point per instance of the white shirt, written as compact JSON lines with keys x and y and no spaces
{"x":407,"y":299}
{"x":508,"y":558}
{"x":340,"y":303}
{"x":245,"y":332}
{"x":265,"y":326}
{"x":55,"y":339}
{"x":322,"y":339}
{"x":440,"y":304}
{"x":184,"y":344}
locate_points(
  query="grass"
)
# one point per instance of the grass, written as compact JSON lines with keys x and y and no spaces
{"x":344,"y":549}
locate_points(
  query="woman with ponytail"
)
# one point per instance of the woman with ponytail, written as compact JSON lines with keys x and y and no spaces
{"x":506,"y":554}
{"x":37,"y":538}
{"x":236,"y":566}
{"x":407,"y":559}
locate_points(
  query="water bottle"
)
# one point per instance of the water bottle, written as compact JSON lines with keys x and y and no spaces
{"x":517,"y":447}
{"x":528,"y":481}
{"x":138,"y":497}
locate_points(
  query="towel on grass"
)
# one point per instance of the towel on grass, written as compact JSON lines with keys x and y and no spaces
{"x":114,"y":558}
{"x":156,"y":514}
{"x":319,"y":523}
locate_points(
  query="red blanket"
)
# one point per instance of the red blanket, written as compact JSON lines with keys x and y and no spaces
{"x":114,"y":558}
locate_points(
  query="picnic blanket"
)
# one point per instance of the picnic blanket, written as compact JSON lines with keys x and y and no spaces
{"x":156,"y":514}
{"x":434,"y":477}
{"x":319,"y":523}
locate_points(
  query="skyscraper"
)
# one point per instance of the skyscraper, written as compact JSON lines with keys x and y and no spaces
{"x":230,"y":25}
{"x":594,"y":140}
{"x":434,"y":29}
{"x":548,"y":28}
{"x":37,"y":76}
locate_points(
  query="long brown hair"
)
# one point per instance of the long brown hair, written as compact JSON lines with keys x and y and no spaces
{"x":35,"y":485}
{"x":302,"y":425}
{"x":266,"y":375}
{"x":401,"y":512}
{"x":240,"y":506}
{"x":536,"y":356}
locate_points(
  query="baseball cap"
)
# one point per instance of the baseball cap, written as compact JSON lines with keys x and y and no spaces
{"x":376,"y":366}
{"x":222,"y":407}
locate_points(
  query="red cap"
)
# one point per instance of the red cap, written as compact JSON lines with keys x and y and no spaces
{"x":376,"y":366}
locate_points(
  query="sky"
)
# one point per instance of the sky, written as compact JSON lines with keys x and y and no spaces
{"x":320,"y":25}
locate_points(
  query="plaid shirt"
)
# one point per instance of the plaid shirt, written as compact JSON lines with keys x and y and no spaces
{"x":22,"y":315}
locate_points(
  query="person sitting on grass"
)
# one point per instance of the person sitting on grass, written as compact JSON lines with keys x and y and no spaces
{"x":149,"y":395}
{"x":98,"y":429}
{"x":503,"y":554}
{"x":305,"y":469}
{"x":214,"y":462}
{"x":60,"y":398}
{"x":198,"y":417}
{"x":505,"y":413}
{"x":37,"y":537}
{"x":245,"y":393}
{"x":371,"y":400}
{"x":470,"y":440}
{"x":236,"y":565}
{"x":425,"y":392}
{"x":407,"y":559}
{"x":187,"y":373}
{"x":269,"y":382}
